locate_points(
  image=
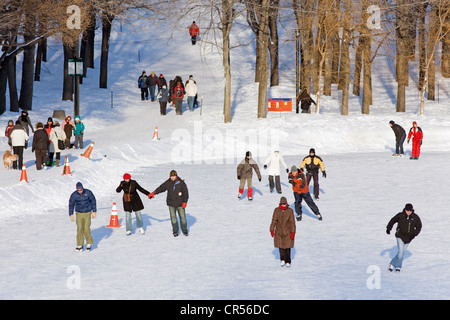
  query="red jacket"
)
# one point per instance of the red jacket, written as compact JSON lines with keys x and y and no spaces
{"x":415,"y":133}
{"x":194,"y":30}
{"x":181,"y":89}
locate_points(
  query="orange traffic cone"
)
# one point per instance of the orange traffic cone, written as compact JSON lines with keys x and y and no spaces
{"x":23,"y":175}
{"x":66,"y":170}
{"x":155,"y":134}
{"x":87,"y":153}
{"x":114,"y":221}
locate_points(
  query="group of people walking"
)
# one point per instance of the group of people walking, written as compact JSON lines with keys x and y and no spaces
{"x":173,"y":93}
{"x":49,"y":139}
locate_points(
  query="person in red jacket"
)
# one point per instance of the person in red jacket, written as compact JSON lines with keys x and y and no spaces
{"x":178,"y":95}
{"x":417,"y":136}
{"x":194,"y":31}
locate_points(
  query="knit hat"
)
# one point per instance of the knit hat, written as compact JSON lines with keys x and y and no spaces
{"x":248,"y":154}
{"x":50,"y":119}
{"x":126,"y":176}
{"x":294,"y":168}
{"x":392,"y":122}
{"x":409,"y":207}
{"x":10,"y":122}
{"x":173,"y":173}
{"x":79,"y":186}
{"x":160,"y":75}
{"x":414,"y":122}
{"x":283,"y":200}
{"x":312,"y":151}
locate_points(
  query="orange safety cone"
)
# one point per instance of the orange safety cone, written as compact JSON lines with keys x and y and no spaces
{"x":87,"y":153}
{"x":155,"y":134}
{"x":23,"y":175}
{"x":114,"y":221}
{"x":66,"y":170}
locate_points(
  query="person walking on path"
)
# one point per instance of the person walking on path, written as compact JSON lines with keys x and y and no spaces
{"x":400,"y":136}
{"x":301,"y":192}
{"x":153,"y":83}
{"x":142,"y":84}
{"x":132,"y":202}
{"x":273,"y":164}
{"x":194,"y":31}
{"x":313,"y":163}
{"x":40,"y":145}
{"x":177,"y":198}
{"x":25,"y":122}
{"x":282,"y":230}
{"x":178,"y":95}
{"x":416,"y":134}
{"x":245,"y":173}
{"x":19,"y":139}
{"x":78,"y":133}
{"x":68,"y":127}
{"x":83,"y":203}
{"x":56,"y":134}
{"x":408,"y":227}
{"x":163,"y":100}
{"x":191,"y":92}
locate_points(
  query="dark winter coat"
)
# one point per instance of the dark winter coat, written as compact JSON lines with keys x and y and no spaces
{"x":283,"y":224}
{"x":305,"y":99}
{"x":162,"y":82}
{"x":244,"y":169}
{"x":131,"y":187}
{"x":164,"y":95}
{"x":408,"y":227}
{"x":84,"y":202}
{"x":152,"y":80}
{"x":398,"y":131}
{"x":142,"y":82}
{"x":40,"y":140}
{"x":177,"y":192}
{"x":25,"y":122}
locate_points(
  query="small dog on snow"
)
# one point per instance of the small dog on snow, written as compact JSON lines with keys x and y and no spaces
{"x":8,"y":159}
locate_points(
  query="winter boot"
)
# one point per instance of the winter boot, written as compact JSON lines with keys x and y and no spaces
{"x":250,"y":194}
{"x":241,"y":191}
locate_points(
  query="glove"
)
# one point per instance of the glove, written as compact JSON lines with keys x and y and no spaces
{"x":407,"y":141}
{"x":239,"y":177}
{"x":265,"y":166}
{"x":259,"y":179}
{"x":292,"y":236}
{"x":287,"y":170}
{"x":272,"y":233}
{"x":388,"y":231}
{"x":324,"y":174}
{"x":151,"y":195}
{"x":183,"y":205}
{"x":420,"y":142}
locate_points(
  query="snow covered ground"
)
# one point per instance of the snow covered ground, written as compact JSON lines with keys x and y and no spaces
{"x":229,"y":253}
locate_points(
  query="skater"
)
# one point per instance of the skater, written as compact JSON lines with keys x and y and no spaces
{"x":132,"y":202}
{"x":68,"y":127}
{"x":177,"y":198}
{"x":40,"y":145}
{"x":313,"y":163}
{"x":163,"y":100}
{"x":19,"y":139}
{"x":301,"y":191}
{"x":56,"y":134}
{"x":194,"y":31}
{"x":142,"y":84}
{"x":78,"y":133}
{"x":178,"y":95}
{"x":191,"y":92}
{"x":408,"y":227}
{"x":282,"y":230}
{"x":25,"y":122}
{"x":417,"y":136}
{"x":83,"y":202}
{"x":400,"y":136}
{"x":245,"y":173}
{"x":273,"y":163}
{"x":152,"y":83}
{"x":305,"y":99}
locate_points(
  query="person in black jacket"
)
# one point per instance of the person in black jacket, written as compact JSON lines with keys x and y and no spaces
{"x":177,"y":198}
{"x":400,"y":136}
{"x":408,"y":227}
{"x":132,"y":202}
{"x":40,"y":145}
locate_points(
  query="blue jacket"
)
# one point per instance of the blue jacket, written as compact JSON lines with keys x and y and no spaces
{"x":84,"y":202}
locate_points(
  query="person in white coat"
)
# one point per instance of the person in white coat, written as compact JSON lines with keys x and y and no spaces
{"x":273,"y":164}
{"x":19,"y":139}
{"x":56,"y":134}
{"x":191,"y":92}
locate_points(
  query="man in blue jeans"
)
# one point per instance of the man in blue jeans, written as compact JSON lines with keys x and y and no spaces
{"x":177,"y":198}
{"x":408,"y":227}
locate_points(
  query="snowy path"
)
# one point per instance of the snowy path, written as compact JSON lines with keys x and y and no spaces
{"x":229,"y":253}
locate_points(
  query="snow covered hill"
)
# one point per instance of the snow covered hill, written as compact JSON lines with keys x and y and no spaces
{"x":229,"y":253}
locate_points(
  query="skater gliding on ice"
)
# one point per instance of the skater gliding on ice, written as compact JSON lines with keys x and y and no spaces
{"x":408,"y":227}
{"x":400,"y":136}
{"x":301,"y":191}
{"x":283,"y":229}
{"x":313,"y":163}
{"x":273,"y":164}
{"x":245,"y":173}
{"x":416,"y":134}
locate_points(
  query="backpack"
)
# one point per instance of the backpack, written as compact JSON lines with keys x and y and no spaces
{"x":178,"y":92}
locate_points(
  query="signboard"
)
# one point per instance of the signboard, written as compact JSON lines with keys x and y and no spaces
{"x":75,"y":67}
{"x":279,"y":104}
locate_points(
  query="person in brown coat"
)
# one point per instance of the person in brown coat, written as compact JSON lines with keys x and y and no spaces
{"x":282,"y":229}
{"x":245,"y":172}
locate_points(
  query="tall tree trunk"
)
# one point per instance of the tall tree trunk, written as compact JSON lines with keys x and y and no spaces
{"x":67,"y":80}
{"x":12,"y":84}
{"x":344,"y":72}
{"x":26,"y":90}
{"x":422,"y":46}
{"x":273,"y":44}
{"x":3,"y":81}
{"x":227,"y":18}
{"x":431,"y":50}
{"x":106,"y":34}
{"x":264,"y":54}
{"x":39,"y":54}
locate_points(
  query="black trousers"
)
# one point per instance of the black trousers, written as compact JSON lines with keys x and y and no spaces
{"x":19,"y":151}
{"x":285,"y":255}
{"x":162,"y":107}
{"x":315,"y":177}
{"x":277,"y":183}
{"x":144,"y":93}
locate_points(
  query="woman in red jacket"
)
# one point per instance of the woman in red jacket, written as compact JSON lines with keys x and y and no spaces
{"x":194,"y":31}
{"x":417,"y":135}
